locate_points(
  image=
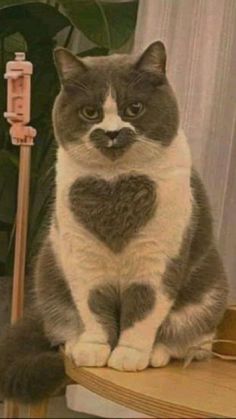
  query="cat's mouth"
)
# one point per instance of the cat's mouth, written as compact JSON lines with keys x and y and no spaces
{"x":113,"y":148}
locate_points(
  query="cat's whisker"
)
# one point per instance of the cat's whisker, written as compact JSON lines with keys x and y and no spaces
{"x":144,"y":142}
{"x":149,"y":141}
{"x":89,"y":146}
{"x":82,"y":146}
{"x":78,"y":152}
{"x":152,"y":145}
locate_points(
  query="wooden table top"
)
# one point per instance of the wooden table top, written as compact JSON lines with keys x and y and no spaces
{"x":202,"y":390}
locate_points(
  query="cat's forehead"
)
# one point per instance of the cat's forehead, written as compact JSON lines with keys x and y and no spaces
{"x":109,"y":73}
{"x":113,"y":74}
{"x":123,"y":70}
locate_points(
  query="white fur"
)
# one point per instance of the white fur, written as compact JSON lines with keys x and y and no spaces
{"x":128,"y":359}
{"x":135,"y":343}
{"x":160,"y":356}
{"x":87,"y":262}
{"x":199,"y":349}
{"x":111,"y":120}
{"x":89,"y":354}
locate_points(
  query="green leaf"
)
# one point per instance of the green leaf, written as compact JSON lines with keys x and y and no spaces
{"x":48,"y":20}
{"x":9,"y":3}
{"x":8,"y":157}
{"x":94,"y":52}
{"x":109,"y":25}
{"x":37,"y":22}
{"x":8,"y":187}
{"x":44,"y":90}
{"x":42,"y":185}
{"x":14,"y":42}
{"x":30,"y":27}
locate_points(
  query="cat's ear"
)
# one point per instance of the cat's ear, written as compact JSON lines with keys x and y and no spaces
{"x":67,"y":64}
{"x":153,"y":58}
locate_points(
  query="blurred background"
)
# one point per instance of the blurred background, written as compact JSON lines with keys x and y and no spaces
{"x":200,"y":38}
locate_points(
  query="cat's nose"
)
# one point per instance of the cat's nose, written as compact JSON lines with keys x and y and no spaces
{"x":112,"y":134}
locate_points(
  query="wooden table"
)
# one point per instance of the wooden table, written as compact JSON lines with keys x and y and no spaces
{"x":203,"y":390}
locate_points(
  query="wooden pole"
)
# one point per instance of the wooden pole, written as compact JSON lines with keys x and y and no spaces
{"x":21,"y":233}
{"x":18,"y":75}
{"x":39,"y":410}
{"x":11,"y":408}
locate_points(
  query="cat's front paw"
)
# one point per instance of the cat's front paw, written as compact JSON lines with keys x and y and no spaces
{"x":88,"y":354}
{"x":160,"y":356}
{"x":128,"y":359}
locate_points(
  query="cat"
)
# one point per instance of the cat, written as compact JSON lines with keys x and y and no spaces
{"x":129,"y":275}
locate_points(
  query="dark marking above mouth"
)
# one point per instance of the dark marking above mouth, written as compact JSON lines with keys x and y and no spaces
{"x":113,"y":149}
{"x":114,"y":211}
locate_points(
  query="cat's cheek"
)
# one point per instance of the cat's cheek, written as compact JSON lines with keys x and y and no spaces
{"x":128,"y":359}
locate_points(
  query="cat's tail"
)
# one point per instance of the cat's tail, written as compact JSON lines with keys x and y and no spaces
{"x":30,"y":369}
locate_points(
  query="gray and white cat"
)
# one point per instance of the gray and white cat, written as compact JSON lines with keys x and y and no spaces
{"x":129,"y":275}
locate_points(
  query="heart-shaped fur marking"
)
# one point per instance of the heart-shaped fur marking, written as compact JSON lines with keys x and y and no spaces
{"x":113,"y":211}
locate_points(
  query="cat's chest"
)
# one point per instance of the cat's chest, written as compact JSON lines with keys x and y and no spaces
{"x":115,"y":210}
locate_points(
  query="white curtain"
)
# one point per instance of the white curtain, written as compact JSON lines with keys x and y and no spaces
{"x":200,"y":37}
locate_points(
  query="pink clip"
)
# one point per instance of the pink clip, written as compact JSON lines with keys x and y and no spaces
{"x":18,"y":75}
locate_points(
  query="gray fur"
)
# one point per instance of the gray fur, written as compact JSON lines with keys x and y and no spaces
{"x":105,"y":303}
{"x":83,"y":88}
{"x":124,"y":140}
{"x":5,"y":306}
{"x":114,"y":211}
{"x":88,"y":82}
{"x":160,"y":120}
{"x":196,"y":327}
{"x":30,"y":369}
{"x":197,"y":271}
{"x":154,"y":58}
{"x":54,"y":300}
{"x":198,"y":253}
{"x":137,"y":302}
{"x":206,"y":277}
{"x":118,"y":311}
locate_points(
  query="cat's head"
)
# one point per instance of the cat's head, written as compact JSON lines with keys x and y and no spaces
{"x":108,"y":105}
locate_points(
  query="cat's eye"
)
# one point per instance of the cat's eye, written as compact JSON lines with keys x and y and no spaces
{"x":133,"y":110}
{"x":89,"y":112}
